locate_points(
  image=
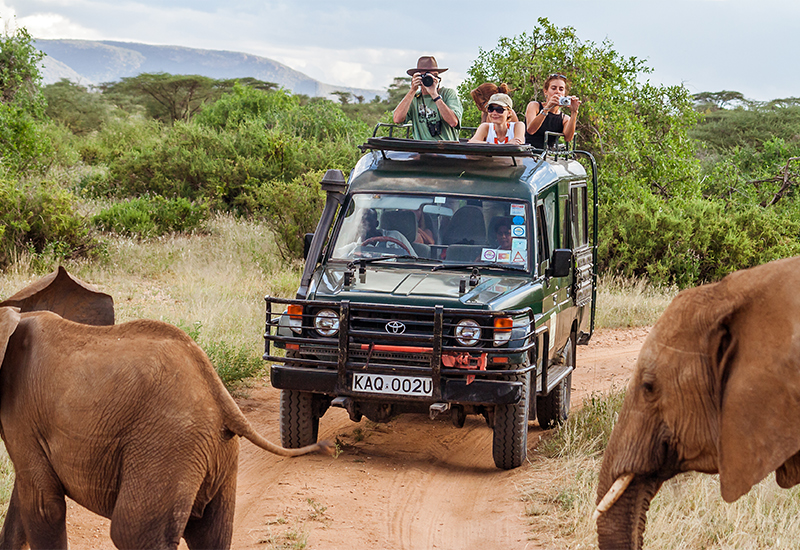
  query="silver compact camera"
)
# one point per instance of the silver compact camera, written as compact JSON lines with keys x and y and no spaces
{"x":565,"y":101}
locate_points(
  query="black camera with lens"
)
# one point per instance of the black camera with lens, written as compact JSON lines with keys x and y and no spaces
{"x":427,"y":80}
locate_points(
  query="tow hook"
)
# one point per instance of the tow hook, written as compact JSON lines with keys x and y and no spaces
{"x":437,"y":408}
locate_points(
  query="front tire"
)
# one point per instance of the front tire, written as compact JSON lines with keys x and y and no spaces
{"x":553,"y":409}
{"x":510,"y":430}
{"x":299,"y":422}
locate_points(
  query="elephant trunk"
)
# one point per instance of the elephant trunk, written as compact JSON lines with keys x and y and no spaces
{"x":622,"y":525}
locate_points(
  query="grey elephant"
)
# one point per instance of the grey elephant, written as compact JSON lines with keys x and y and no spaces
{"x":716,"y":389}
{"x":130,"y":421}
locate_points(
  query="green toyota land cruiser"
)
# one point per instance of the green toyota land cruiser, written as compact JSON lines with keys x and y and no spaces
{"x":443,"y":278}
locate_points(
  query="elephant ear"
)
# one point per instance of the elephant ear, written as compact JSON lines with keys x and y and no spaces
{"x":9,"y":319}
{"x":758,"y":372}
{"x":67,"y":296}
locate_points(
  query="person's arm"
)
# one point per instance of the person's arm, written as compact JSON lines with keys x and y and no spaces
{"x":401,"y":111}
{"x":570,"y":121}
{"x":480,"y":133}
{"x":447,"y":107}
{"x":519,"y":133}
{"x":534,"y":117}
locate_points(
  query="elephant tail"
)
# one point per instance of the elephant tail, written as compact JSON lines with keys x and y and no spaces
{"x":237,"y":423}
{"x":323,"y":447}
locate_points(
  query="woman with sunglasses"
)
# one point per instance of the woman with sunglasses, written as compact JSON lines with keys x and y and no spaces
{"x":547,"y":117}
{"x":499,"y":129}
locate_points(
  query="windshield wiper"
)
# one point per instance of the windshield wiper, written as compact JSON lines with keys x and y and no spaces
{"x":478,"y":266}
{"x":354,"y":263}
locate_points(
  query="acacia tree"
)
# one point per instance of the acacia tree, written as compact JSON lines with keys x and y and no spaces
{"x":636,"y":130}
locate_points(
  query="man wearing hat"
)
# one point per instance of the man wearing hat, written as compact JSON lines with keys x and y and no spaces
{"x":434,"y":111}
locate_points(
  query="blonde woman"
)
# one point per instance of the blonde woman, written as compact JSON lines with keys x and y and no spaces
{"x":499,"y":128}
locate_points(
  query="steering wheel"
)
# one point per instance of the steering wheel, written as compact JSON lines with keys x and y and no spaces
{"x":385,"y":239}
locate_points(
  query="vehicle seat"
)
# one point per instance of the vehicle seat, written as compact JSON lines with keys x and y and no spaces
{"x":466,"y":227}
{"x":405,"y":222}
{"x":463,"y":253}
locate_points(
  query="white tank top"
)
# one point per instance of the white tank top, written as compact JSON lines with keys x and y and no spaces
{"x":491,"y":137}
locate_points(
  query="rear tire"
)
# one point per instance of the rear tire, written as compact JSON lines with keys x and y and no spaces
{"x":510,"y":430}
{"x":299,"y":423}
{"x":553,"y":409}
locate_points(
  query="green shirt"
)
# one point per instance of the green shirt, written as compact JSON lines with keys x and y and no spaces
{"x":423,"y":112}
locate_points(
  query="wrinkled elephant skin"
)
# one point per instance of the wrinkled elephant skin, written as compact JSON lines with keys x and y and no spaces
{"x":130,"y":421}
{"x":716,"y":389}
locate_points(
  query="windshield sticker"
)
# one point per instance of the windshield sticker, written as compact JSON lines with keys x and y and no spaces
{"x":518,"y":210}
{"x":488,"y":255}
{"x":517,"y":230}
{"x":518,"y":220}
{"x":520,"y":245}
{"x":517,"y":257}
{"x":504,"y":256}
{"x":439,"y":200}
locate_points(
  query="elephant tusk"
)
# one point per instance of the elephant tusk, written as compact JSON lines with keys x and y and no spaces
{"x":612,"y":495}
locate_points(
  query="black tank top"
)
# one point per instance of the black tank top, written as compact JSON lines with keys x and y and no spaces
{"x":553,"y":122}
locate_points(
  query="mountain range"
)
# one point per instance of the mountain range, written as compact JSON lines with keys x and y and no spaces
{"x":92,"y":62}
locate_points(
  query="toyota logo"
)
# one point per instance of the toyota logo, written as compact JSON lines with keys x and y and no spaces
{"x":395,"y":327}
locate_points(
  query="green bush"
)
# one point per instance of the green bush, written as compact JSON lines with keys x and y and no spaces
{"x":22,"y":145}
{"x":691,"y":241}
{"x":291,"y":210}
{"x":151,"y":216}
{"x":40,"y":217}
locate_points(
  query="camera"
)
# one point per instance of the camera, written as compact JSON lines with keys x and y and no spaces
{"x":565,"y":101}
{"x":427,"y":80}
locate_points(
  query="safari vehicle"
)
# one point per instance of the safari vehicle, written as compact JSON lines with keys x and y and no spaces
{"x":461,"y":323}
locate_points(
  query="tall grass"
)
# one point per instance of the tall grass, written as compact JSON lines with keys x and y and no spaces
{"x":624,"y":302}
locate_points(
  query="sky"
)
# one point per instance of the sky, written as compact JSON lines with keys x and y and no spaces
{"x":706,"y":45}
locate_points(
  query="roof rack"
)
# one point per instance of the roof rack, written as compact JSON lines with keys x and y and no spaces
{"x":384,"y":144}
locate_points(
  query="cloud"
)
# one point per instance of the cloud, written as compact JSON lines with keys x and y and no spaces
{"x":53,"y":25}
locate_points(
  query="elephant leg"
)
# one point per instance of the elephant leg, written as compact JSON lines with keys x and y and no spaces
{"x":214,"y":529}
{"x":37,"y":514}
{"x":13,"y":534}
{"x":151,"y":513}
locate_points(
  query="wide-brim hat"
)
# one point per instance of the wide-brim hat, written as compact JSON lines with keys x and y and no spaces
{"x":425,"y":64}
{"x":501,"y":99}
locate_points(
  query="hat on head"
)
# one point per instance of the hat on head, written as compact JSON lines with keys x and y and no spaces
{"x":501,"y":99}
{"x":425,"y":64}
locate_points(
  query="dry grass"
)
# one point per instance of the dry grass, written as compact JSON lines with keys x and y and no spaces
{"x":630,"y":303}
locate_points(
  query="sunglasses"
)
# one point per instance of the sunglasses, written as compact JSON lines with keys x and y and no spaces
{"x":495,"y":108}
{"x":558,"y":75}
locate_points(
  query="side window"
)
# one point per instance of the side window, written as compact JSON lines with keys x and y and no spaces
{"x":546,"y":219}
{"x":564,"y":218}
{"x":580,"y":219}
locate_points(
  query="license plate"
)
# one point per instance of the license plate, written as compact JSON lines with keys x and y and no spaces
{"x":392,"y":384}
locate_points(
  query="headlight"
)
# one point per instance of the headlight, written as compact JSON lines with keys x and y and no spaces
{"x":468,"y":332}
{"x":295,"y":318}
{"x":502,"y":330}
{"x":326,"y":322}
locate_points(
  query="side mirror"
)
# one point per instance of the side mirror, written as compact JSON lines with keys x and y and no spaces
{"x":561,"y":265}
{"x":307,"y":238}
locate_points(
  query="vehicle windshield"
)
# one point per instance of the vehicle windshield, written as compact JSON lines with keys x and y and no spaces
{"x":448,"y":229}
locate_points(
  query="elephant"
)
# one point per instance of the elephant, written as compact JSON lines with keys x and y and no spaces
{"x":716,"y":389}
{"x":129,"y":420}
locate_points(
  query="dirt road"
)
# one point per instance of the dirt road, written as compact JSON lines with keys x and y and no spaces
{"x":410,"y":484}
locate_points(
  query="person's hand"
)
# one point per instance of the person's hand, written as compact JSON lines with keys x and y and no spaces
{"x":430,"y":90}
{"x":416,"y":82}
{"x":551,"y":103}
{"x":574,"y":104}
{"x":517,"y":141}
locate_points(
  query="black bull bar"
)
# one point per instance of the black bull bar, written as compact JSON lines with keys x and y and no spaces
{"x":479,"y":374}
